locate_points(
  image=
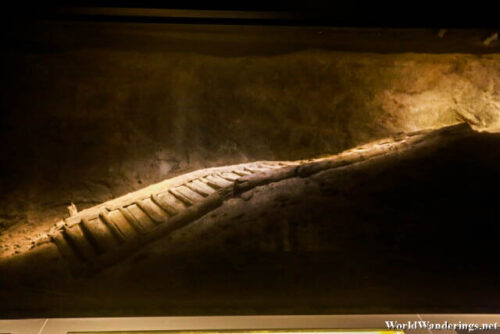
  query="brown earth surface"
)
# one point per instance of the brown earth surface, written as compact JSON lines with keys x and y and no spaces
{"x":410,"y":230}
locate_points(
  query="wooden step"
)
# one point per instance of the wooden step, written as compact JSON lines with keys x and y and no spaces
{"x":166,"y":206}
{"x":255,"y":169}
{"x":99,"y":234}
{"x":154,"y":212}
{"x":141,"y":216}
{"x":180,"y":196}
{"x":139,"y":226}
{"x":241,"y":172}
{"x":191,"y":195}
{"x":231,"y":177}
{"x":122,"y":224}
{"x":171,"y":200}
{"x":66,"y":249}
{"x":200,"y":187}
{"x":119,"y":235}
{"x":217,"y":181}
{"x":268,"y":165}
{"x":80,"y":244}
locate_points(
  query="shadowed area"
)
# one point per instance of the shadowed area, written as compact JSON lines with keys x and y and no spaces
{"x":163,"y":168}
{"x":410,"y":230}
{"x":91,"y":125}
{"x":92,"y":111}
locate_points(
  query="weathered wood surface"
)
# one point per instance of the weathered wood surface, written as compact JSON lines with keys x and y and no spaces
{"x":104,"y":234}
{"x":407,"y":216}
{"x":107,"y":233}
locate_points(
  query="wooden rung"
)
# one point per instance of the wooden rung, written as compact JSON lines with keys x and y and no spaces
{"x":66,"y":250}
{"x":76,"y":238}
{"x":98,"y":234}
{"x":192,"y":195}
{"x":141,"y":216}
{"x":229,"y":176}
{"x":152,"y":210}
{"x":115,"y":230}
{"x":167,"y":207}
{"x":122,"y":223}
{"x":167,"y":197}
{"x":217,"y":181}
{"x":133,"y":221}
{"x":200,"y":187}
{"x":180,"y":196}
{"x":255,"y":169}
{"x":268,"y":165}
{"x":241,"y":172}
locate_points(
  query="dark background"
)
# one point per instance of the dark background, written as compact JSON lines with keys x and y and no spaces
{"x":96,"y":105}
{"x":419,"y":14}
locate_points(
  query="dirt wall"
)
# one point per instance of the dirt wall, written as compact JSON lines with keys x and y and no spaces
{"x":86,"y":124}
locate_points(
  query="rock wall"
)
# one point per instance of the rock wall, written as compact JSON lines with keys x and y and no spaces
{"x":90,"y":124}
{"x":400,"y":225}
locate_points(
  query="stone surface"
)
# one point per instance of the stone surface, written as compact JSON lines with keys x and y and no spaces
{"x":85,"y":123}
{"x":409,"y":228}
